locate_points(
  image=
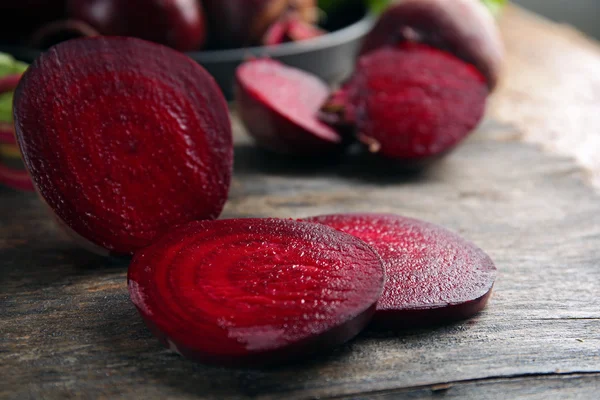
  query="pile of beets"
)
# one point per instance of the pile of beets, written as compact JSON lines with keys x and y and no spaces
{"x":185,"y":25}
{"x":129,"y":144}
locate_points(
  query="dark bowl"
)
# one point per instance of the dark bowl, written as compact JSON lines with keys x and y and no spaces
{"x":331,"y":56}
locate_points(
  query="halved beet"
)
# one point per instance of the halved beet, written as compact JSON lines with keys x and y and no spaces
{"x":433,"y":275}
{"x":255,"y":291}
{"x":279,"y":106}
{"x":124,"y":139}
{"x":412,"y":103}
{"x":176,"y":23}
{"x":463,"y":27}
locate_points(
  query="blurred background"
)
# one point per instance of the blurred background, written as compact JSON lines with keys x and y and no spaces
{"x":581,"y":13}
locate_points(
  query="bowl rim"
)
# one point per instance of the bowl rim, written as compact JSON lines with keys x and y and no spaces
{"x":352,"y":32}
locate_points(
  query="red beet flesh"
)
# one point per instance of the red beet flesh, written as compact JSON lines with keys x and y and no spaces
{"x":279,"y":107}
{"x":124,"y":139}
{"x":433,"y":275}
{"x":463,"y":27}
{"x":177,"y":23}
{"x":413,"y":103}
{"x":255,"y":291}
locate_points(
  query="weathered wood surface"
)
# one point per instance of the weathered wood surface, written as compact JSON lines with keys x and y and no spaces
{"x":68,"y":330}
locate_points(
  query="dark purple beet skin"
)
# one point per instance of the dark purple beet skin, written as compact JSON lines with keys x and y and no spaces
{"x":124,"y":139}
{"x":179,"y":24}
{"x":279,"y":107}
{"x":255,"y":291}
{"x":463,"y":27}
{"x":433,"y":275}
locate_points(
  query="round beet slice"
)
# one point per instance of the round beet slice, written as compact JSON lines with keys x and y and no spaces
{"x":124,"y":139}
{"x":255,"y":291}
{"x":279,"y":106}
{"x":433,"y":275}
{"x":413,"y":103}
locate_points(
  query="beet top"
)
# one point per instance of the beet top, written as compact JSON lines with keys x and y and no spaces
{"x":412,"y":102}
{"x":433,"y":275}
{"x":279,"y":106}
{"x":255,"y":291}
{"x":124,"y":139}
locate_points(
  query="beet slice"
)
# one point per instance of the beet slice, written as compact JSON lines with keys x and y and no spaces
{"x":463,"y":27}
{"x":124,"y":139}
{"x":433,"y":275}
{"x":412,"y":103}
{"x":255,"y":291}
{"x":279,"y":106}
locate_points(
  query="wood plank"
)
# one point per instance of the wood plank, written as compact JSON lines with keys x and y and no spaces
{"x":67,"y":328}
{"x":569,"y":386}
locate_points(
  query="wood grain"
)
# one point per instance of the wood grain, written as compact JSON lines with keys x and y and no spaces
{"x":68,"y":330}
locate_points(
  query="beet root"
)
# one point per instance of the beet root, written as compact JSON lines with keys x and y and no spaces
{"x":255,"y":291}
{"x":412,"y":103}
{"x":179,"y":24}
{"x":279,"y":106}
{"x":432,"y":275}
{"x":463,"y":27}
{"x":124,"y":139}
{"x":240,"y":23}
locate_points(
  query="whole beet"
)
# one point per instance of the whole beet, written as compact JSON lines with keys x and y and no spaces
{"x":237,"y":23}
{"x":462,"y":27}
{"x":179,"y":24}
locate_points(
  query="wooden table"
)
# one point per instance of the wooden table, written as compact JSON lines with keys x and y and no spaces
{"x":67,"y":328}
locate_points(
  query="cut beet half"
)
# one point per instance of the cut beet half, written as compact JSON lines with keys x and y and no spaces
{"x":433,"y":275}
{"x":124,"y":139}
{"x":279,"y":106}
{"x":465,"y":28}
{"x":255,"y":291}
{"x":413,"y":103}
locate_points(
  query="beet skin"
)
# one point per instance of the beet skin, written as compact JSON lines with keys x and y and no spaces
{"x":432,"y":275}
{"x":411,"y":103}
{"x":255,"y":291}
{"x":179,"y":24}
{"x":124,"y":139}
{"x":463,"y":27}
{"x":279,"y":107}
